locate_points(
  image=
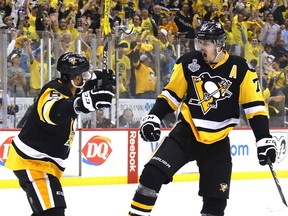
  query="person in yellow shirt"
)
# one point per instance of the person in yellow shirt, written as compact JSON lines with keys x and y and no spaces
{"x":64,"y":27}
{"x":35,"y":72}
{"x":123,"y":68}
{"x":240,"y":31}
{"x":145,"y":76}
{"x":167,"y":23}
{"x":278,"y":75}
{"x":253,"y":49}
{"x":147,"y":22}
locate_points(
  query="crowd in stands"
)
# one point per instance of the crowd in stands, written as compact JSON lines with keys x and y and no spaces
{"x":256,"y":30}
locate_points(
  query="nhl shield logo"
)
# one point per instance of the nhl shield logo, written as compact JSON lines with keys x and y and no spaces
{"x":280,"y":138}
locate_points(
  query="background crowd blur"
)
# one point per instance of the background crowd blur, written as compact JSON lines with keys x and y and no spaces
{"x":147,"y":37}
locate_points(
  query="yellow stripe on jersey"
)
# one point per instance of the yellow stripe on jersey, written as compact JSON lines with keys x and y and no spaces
{"x":46,"y":101}
{"x":16,"y":162}
{"x":251,"y":83}
{"x":203,"y":136}
{"x":179,"y":84}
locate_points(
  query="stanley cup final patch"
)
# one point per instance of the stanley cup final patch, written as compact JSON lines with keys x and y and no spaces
{"x":194,"y":66}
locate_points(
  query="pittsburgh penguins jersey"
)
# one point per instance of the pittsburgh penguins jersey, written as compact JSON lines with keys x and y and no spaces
{"x":209,"y":95}
{"x":44,"y":141}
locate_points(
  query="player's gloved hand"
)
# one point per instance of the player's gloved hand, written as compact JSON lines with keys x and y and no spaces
{"x":101,"y":79}
{"x":94,"y":99}
{"x":266,"y":149}
{"x":150,"y":128}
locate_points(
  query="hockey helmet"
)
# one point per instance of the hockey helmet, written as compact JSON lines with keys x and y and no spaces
{"x":212,"y":30}
{"x":71,"y":64}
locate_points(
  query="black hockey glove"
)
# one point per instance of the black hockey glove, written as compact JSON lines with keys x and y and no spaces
{"x":150,"y":128}
{"x":266,"y":148}
{"x":101,"y":79}
{"x":91,"y":100}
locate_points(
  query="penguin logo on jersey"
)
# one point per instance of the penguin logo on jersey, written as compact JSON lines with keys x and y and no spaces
{"x":209,"y":91}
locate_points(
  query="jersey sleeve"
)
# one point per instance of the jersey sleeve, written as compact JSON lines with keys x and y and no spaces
{"x":251,"y":96}
{"x":172,"y":95}
{"x":54,"y":107}
{"x":176,"y":89}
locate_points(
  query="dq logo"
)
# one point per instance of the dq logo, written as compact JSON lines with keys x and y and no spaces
{"x":281,"y":145}
{"x":4,"y":148}
{"x":97,"y":150}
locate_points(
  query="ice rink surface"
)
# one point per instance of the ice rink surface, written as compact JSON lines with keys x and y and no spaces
{"x":247,"y":198}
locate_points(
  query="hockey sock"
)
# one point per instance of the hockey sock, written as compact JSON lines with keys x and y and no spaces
{"x":143,"y":201}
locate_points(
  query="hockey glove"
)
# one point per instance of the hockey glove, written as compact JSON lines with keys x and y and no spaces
{"x":95,"y":99}
{"x":101,"y":80}
{"x":150,"y":128}
{"x":266,"y":148}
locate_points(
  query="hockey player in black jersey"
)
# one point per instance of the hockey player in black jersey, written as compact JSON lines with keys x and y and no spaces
{"x":38,"y":154}
{"x":207,"y":86}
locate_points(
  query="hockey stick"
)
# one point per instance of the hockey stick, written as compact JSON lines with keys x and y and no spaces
{"x":276,"y":181}
{"x":107,"y":31}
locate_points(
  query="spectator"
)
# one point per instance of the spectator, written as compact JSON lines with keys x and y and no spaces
{"x":66,"y":43}
{"x":114,"y":18}
{"x":284,"y":34}
{"x":168,"y":23}
{"x":157,"y":13}
{"x":275,"y":102}
{"x":126,"y":119}
{"x":124,"y":69}
{"x":277,"y":11}
{"x":5,"y":9}
{"x":65,"y":27}
{"x":279,"y":76}
{"x":135,"y":25}
{"x":267,"y":56}
{"x":35,"y":72}
{"x":230,"y":41}
{"x":101,"y":121}
{"x":148,"y":24}
{"x":240,"y":32}
{"x":16,"y":76}
{"x":167,"y":56}
{"x":144,"y":75}
{"x":253,"y":49}
{"x":9,"y":21}
{"x":23,"y":43}
{"x":184,"y":20}
{"x":270,"y":31}
{"x":12,"y":108}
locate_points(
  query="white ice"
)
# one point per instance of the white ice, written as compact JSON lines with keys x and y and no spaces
{"x":247,"y":198}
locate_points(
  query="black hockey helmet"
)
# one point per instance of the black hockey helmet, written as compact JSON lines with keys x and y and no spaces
{"x":71,"y":64}
{"x":212,"y":30}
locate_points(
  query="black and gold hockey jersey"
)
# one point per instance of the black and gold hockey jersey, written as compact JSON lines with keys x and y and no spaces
{"x":44,"y":141}
{"x":209,"y":95}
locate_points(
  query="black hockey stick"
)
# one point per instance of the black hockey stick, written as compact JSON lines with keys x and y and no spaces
{"x":276,"y":181}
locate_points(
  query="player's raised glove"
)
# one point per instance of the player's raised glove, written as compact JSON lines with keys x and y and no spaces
{"x":266,"y":149}
{"x":94,"y":99}
{"x":101,"y":79}
{"x":150,"y":128}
